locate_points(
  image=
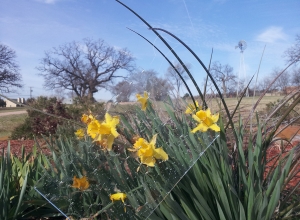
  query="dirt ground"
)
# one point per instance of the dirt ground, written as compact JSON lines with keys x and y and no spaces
{"x":292,"y":134}
{"x":16,"y":146}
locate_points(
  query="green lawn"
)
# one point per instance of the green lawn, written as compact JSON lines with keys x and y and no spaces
{"x":9,"y":122}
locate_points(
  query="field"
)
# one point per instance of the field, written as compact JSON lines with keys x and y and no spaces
{"x":247,"y":102}
{"x":8,"y":123}
{"x":12,"y":109}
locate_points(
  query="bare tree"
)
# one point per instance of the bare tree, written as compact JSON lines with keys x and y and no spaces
{"x":9,"y":70}
{"x":283,"y":81}
{"x":83,"y":67}
{"x":174,"y":78}
{"x":59,"y":94}
{"x":265,"y":82}
{"x":140,"y":79}
{"x":293,"y":53}
{"x":224,"y":75}
{"x":159,"y":88}
{"x":296,"y":77}
{"x":122,"y":90}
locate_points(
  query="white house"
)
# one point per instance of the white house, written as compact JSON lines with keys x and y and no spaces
{"x":14,"y":102}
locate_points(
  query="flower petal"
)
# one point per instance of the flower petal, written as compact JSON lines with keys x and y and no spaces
{"x":118,"y":196}
{"x":75,"y":182}
{"x":202,"y":115}
{"x":93,"y":128}
{"x":138,"y":144}
{"x":215,"y":117}
{"x":149,"y":161}
{"x":195,"y":117}
{"x":79,"y":133}
{"x":144,"y":106}
{"x":107,"y":117}
{"x":110,"y":141}
{"x":208,"y":112}
{"x":202,"y":127}
{"x":114,"y":132}
{"x":215,"y":127}
{"x":143,"y":100}
{"x":160,"y":154}
{"x":190,"y":109}
{"x":153,"y":140}
{"x":80,"y":183}
{"x":146,"y":95}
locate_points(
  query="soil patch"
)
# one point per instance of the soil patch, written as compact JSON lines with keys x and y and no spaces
{"x":290,"y":132}
{"x":16,"y":146}
{"x":292,"y":136}
{"x":275,"y":153}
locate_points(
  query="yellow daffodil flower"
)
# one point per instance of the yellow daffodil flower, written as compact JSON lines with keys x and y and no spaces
{"x":191,"y":109}
{"x":80,"y":183}
{"x":87,"y":118}
{"x":79,"y":133}
{"x":143,"y":100}
{"x":105,"y":141}
{"x":118,"y":196}
{"x":104,"y":133}
{"x":93,"y":128}
{"x":109,"y":125}
{"x":147,"y":151}
{"x":206,"y":121}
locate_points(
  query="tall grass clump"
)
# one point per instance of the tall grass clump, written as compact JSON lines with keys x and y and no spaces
{"x":18,"y":175}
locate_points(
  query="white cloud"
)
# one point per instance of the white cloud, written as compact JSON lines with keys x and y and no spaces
{"x":271,"y":35}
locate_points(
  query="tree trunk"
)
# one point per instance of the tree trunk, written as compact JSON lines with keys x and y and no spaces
{"x":224,"y":89}
{"x":91,"y":96}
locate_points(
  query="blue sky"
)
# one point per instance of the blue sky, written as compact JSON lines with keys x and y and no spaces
{"x":31,"y":27}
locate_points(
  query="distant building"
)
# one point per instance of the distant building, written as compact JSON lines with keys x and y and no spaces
{"x":14,"y":102}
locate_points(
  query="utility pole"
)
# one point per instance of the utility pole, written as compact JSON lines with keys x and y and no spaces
{"x":30,"y":92}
